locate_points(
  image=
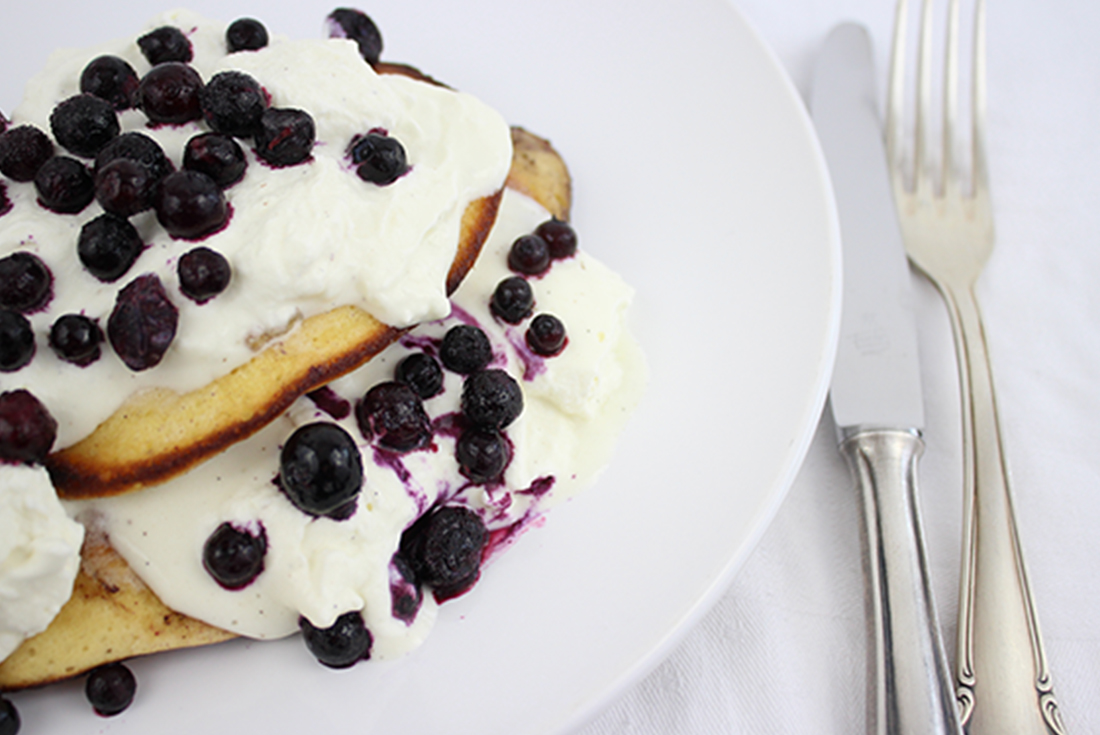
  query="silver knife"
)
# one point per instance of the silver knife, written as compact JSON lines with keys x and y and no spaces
{"x":876,"y":398}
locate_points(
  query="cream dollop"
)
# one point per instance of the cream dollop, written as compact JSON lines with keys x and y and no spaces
{"x":39,"y":554}
{"x":301,"y":239}
{"x":574,"y":406}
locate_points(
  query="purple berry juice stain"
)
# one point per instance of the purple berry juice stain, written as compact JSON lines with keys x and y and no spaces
{"x":449,"y":425}
{"x":502,"y":539}
{"x":428,"y":345}
{"x":498,"y":502}
{"x":463,"y":316}
{"x":392,"y":461}
{"x":533,"y":365}
{"x":539,"y":486}
{"x":500,"y":499}
{"x":326,"y":399}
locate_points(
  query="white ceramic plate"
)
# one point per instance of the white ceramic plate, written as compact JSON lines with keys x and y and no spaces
{"x":698,"y":178}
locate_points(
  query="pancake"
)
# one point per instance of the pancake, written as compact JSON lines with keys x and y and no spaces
{"x":111,"y":616}
{"x":158,"y":433}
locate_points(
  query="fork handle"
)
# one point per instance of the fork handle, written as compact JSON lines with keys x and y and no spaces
{"x":1003,"y":683}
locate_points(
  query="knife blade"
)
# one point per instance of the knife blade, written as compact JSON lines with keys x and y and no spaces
{"x":875,"y":396}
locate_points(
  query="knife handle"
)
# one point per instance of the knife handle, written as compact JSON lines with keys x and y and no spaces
{"x":913,"y":692}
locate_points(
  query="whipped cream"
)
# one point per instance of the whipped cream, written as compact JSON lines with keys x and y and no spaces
{"x":39,"y":554}
{"x":574,"y":406}
{"x":301,"y":240}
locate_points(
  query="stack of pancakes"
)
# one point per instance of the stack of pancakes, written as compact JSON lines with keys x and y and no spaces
{"x":112,"y":615}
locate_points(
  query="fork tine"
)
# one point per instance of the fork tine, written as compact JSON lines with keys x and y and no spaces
{"x":895,"y":101}
{"x":981,"y":173}
{"x":951,"y":175}
{"x":922,"y":165}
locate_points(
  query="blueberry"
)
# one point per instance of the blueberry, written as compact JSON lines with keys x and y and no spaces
{"x":27,"y":430}
{"x":190,"y":204}
{"x":169,"y":93}
{"x":139,"y":148}
{"x":344,"y":643}
{"x":124,"y":187}
{"x":166,"y":43}
{"x":110,"y":688}
{"x":422,"y":373}
{"x":217,"y":156}
{"x":381,"y":160}
{"x":233,"y":103}
{"x":320,"y":468}
{"x":64,"y":185}
{"x":9,"y":718}
{"x":482,"y":455}
{"x":559,"y":236}
{"x":405,"y":593}
{"x":76,"y":338}
{"x":546,"y":335}
{"x":108,"y":245}
{"x":112,"y":79}
{"x":26,"y":284}
{"x":512,"y":300}
{"x":23,"y":150}
{"x":464,"y":349}
{"x":203,"y":274}
{"x":285,"y":137}
{"x":444,"y":548}
{"x":529,"y":255}
{"x":393,"y":413}
{"x":16,"y":341}
{"x":84,"y":124}
{"x":143,"y":323}
{"x":245,"y":34}
{"x":491,"y":399}
{"x":234,"y":557}
{"x":357,"y":26}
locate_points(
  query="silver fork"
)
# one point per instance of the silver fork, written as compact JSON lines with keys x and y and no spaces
{"x":1002,"y":681}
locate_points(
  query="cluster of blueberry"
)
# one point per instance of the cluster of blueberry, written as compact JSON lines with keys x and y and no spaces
{"x":131,"y":174}
{"x":321,"y":473}
{"x":443,"y":549}
{"x":513,"y":300}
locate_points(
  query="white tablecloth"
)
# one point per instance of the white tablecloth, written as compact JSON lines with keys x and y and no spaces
{"x":784,"y":650}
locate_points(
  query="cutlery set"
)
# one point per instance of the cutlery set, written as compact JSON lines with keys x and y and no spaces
{"x":936,"y":210}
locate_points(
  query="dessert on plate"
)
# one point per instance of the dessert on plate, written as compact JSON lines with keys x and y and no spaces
{"x":347,"y":469}
{"x":251,"y":163}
